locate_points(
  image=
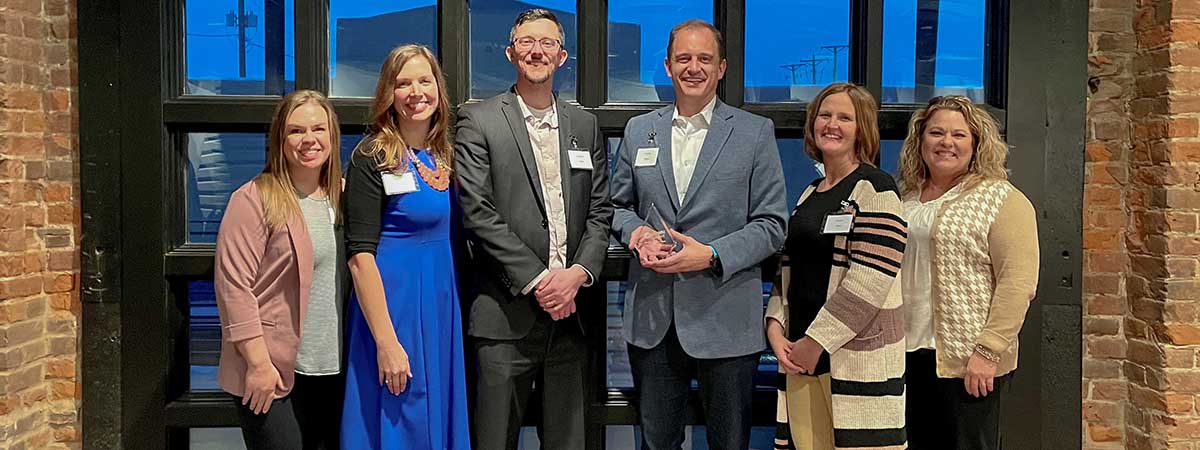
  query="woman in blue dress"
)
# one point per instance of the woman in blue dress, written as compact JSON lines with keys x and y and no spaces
{"x":405,"y":384}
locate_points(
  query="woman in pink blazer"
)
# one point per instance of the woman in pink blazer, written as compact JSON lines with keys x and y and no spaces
{"x":279,"y":275}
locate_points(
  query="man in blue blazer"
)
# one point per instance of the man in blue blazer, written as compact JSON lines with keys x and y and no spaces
{"x":696,"y":311}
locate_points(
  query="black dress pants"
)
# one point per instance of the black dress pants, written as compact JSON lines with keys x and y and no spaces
{"x":941,"y":415}
{"x":309,"y":418}
{"x":551,"y":358}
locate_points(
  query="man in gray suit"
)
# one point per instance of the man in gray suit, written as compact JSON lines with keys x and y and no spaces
{"x":533,"y":185}
{"x":696,"y":311}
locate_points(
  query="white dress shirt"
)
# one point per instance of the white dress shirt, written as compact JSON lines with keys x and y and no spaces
{"x":542,"y":126}
{"x":687,"y":137}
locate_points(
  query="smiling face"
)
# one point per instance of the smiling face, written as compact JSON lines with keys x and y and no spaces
{"x":695,"y":64}
{"x":536,"y":50}
{"x":836,"y":128}
{"x":415,"y":94}
{"x":306,"y":138}
{"x":947,"y":144}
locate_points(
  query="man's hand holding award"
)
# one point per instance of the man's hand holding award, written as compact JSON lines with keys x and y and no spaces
{"x":653,"y":242}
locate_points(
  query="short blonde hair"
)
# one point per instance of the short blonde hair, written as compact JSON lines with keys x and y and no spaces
{"x":988,"y":156}
{"x":866,"y":118}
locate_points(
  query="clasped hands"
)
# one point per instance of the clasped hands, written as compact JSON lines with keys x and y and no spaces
{"x":654,"y":253}
{"x":555,"y":292}
{"x":799,"y":357}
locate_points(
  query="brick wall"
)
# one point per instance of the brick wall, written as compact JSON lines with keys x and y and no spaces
{"x":39,"y":223}
{"x":1141,"y":199}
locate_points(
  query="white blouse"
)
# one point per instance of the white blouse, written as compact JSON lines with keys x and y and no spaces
{"x":916,"y":280}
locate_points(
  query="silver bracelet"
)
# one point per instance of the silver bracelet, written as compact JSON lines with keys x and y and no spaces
{"x":987,"y":353}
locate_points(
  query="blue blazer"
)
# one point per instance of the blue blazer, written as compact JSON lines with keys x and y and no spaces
{"x":736,"y":202}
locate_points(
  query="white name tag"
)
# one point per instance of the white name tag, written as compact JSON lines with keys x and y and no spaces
{"x":838,"y":223}
{"x":332,"y":216}
{"x":399,"y":184}
{"x":580,"y":159}
{"x":646,"y":157}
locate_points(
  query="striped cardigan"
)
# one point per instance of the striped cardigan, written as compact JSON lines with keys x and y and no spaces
{"x":862,"y":322}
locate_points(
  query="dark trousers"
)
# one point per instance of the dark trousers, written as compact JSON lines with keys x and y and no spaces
{"x":309,"y":418}
{"x":663,"y":375}
{"x":552,"y":358}
{"x":941,"y":415}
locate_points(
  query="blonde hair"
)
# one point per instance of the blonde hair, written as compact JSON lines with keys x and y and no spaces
{"x":385,"y":144}
{"x":275,"y":188}
{"x":866,"y":120}
{"x":989,"y":149}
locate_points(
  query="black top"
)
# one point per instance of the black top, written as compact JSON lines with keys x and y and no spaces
{"x":363,"y":202}
{"x":811,"y":255}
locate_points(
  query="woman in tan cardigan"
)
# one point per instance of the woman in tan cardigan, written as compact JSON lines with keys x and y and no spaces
{"x":835,"y":320}
{"x":970,"y":271}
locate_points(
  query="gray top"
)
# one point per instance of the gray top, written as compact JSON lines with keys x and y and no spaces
{"x":320,"y":339}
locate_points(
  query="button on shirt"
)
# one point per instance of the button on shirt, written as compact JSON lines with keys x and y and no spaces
{"x":687,"y":137}
{"x":542,"y":126}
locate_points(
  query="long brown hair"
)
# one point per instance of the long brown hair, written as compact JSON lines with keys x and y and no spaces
{"x":385,"y":143}
{"x":275,"y":187}
{"x":989,"y":154}
{"x":866,"y":118}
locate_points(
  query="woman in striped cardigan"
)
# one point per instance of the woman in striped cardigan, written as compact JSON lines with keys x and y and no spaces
{"x":834,"y":319}
{"x":970,"y":271}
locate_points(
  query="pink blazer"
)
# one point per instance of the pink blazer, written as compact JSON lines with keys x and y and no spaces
{"x":262,"y":279}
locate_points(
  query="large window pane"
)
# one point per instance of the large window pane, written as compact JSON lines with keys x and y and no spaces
{"x":362,"y":33}
{"x":789,"y":55}
{"x":637,"y":46}
{"x":491,"y":22}
{"x":204,"y":336}
{"x":932,"y":47}
{"x":218,"y":164}
{"x":252,"y":53}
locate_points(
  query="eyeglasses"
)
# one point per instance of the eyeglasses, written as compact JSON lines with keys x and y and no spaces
{"x":526,"y":44}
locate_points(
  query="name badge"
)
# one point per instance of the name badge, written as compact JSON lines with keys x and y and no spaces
{"x":646,"y":157}
{"x":399,"y":184}
{"x":580,"y":159}
{"x":332,"y":217}
{"x":837,"y":223}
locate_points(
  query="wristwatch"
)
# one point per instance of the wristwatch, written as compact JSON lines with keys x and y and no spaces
{"x":714,"y":263}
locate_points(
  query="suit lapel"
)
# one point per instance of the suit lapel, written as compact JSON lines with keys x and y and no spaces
{"x":662,"y":138}
{"x":718,"y":134}
{"x":564,"y":160}
{"x":516,"y":123}
{"x":302,"y":246}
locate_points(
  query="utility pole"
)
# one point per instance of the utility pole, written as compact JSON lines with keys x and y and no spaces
{"x":241,"y":24}
{"x":793,"y":68}
{"x":835,"y":49}
{"x":812,"y":62}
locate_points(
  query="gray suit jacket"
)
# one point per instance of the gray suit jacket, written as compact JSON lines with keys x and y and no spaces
{"x":736,"y":202}
{"x":505,"y":218}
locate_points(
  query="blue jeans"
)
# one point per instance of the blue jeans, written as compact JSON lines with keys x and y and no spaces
{"x":663,"y":377}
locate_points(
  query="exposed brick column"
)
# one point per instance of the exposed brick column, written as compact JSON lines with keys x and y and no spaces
{"x":39,"y":226}
{"x":1112,"y":54}
{"x":1161,"y":324}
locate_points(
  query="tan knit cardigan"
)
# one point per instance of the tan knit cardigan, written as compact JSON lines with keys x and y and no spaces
{"x":984,"y":273}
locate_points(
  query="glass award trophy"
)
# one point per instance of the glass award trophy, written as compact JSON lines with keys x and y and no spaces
{"x":656,"y":221}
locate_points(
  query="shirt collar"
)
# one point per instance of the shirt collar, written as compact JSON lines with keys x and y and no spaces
{"x":705,"y":114}
{"x":551,"y":117}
